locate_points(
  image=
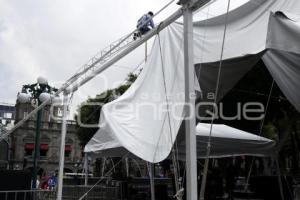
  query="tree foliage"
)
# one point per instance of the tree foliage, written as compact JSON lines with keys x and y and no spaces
{"x":89,"y":111}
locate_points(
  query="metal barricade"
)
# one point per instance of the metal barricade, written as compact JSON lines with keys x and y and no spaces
{"x":296,"y":192}
{"x":28,"y":195}
{"x":104,"y":192}
{"x":70,"y":192}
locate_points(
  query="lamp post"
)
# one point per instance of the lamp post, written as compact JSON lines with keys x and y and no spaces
{"x":7,"y":141}
{"x":36,"y":94}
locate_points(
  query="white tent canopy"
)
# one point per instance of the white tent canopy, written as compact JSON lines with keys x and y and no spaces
{"x":146,"y":119}
{"x":225,"y":142}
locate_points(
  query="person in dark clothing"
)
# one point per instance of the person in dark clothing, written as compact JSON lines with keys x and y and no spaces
{"x":144,"y":24}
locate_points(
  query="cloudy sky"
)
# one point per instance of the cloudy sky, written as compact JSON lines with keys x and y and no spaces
{"x":53,"y":38}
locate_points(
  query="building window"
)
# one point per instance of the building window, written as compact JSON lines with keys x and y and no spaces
{"x":29,"y":147}
{"x":3,"y":121}
{"x":59,"y":112}
{"x":68,"y":150}
{"x":29,"y":150}
{"x":25,"y":114}
{"x":7,"y":115}
{"x":43,"y":151}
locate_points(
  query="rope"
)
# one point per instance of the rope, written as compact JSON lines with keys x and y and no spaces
{"x":279,"y":98}
{"x":201,"y":55}
{"x":177,"y":61}
{"x":202,"y":191}
{"x":204,"y":38}
{"x":179,"y":49}
{"x":174,"y":159}
{"x":85,"y":194}
{"x":260,"y":132}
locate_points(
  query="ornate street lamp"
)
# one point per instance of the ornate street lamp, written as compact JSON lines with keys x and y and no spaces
{"x":7,"y":141}
{"x":37,"y":94}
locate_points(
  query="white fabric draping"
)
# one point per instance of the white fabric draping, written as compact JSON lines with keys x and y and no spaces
{"x":225,"y":142}
{"x":138,"y":121}
{"x":283,"y":57}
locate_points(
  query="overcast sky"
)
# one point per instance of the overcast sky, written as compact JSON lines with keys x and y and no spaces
{"x":53,"y":38}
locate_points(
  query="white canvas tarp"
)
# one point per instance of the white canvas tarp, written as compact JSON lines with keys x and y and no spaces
{"x":139,"y":121}
{"x":225,"y":142}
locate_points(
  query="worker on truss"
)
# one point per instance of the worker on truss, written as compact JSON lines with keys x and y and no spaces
{"x":144,"y":24}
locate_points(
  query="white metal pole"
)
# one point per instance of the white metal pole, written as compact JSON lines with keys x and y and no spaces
{"x":8,"y":151}
{"x":62,"y":147}
{"x":190,"y":122}
{"x":103,"y":166}
{"x":86,"y":169}
{"x":127,"y":167}
{"x":146,"y":52}
{"x":279,"y":178}
{"x":151,"y":177}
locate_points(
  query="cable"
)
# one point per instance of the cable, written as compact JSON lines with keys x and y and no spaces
{"x":260,"y":94}
{"x":174,"y":155}
{"x":169,"y":118}
{"x":201,"y":55}
{"x":260,"y":132}
{"x":203,"y":184}
{"x":156,"y":148}
{"x":85,"y":194}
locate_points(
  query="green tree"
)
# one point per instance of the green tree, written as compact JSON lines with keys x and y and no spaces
{"x":89,"y":111}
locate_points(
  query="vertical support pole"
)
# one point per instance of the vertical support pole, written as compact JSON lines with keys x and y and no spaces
{"x":36,"y":156}
{"x":8,"y":151}
{"x":62,"y":147}
{"x":127,"y":167}
{"x":190,"y":122}
{"x":146,"y":52}
{"x":103,"y":166}
{"x":204,"y":176}
{"x":86,"y":169}
{"x":279,"y":178}
{"x":151,"y":177}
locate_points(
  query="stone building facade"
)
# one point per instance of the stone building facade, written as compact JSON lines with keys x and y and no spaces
{"x":23,"y":140}
{"x":7,"y":116}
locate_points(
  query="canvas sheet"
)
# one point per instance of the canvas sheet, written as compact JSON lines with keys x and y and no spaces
{"x":225,"y":142}
{"x":138,"y":121}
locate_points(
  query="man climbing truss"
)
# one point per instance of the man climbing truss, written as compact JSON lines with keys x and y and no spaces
{"x":144,"y":24}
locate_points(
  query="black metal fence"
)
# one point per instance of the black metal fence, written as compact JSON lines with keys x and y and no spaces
{"x":134,"y":188}
{"x":97,"y":192}
{"x":28,"y":195}
{"x":69,"y":193}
